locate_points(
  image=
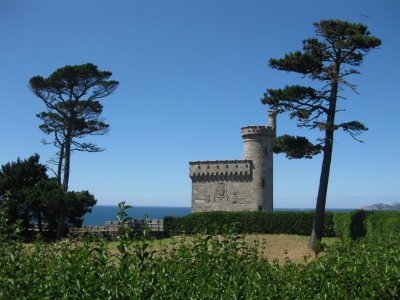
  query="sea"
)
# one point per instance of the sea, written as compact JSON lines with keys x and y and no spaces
{"x":102,"y":213}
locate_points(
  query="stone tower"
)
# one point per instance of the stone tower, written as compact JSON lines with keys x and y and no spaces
{"x":234,"y":185}
{"x":257,"y":147}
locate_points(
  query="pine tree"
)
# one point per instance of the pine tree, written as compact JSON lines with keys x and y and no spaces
{"x":72,"y":97}
{"x":334,"y":54}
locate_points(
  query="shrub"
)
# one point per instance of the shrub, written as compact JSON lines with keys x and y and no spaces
{"x":246,"y":222}
{"x":200,"y":267}
{"x":357,"y":224}
{"x":381,"y":223}
{"x":341,"y":221}
{"x":360,"y":269}
{"x":350,"y":224}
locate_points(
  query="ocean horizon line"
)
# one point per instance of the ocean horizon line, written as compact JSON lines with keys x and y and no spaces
{"x":102,"y":213}
{"x":189,"y":207}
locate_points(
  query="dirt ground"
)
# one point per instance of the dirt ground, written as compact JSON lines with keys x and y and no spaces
{"x":273,"y":246}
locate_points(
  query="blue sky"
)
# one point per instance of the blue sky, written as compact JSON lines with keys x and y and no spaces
{"x":191,"y":75}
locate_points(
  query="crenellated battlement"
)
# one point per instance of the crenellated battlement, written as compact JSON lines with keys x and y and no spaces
{"x":216,"y":169}
{"x":238,"y":185}
{"x":250,"y":131}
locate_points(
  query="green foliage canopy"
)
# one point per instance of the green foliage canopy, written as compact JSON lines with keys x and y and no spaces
{"x":27,"y":194}
{"x":72,"y":97}
{"x":329,"y":58}
{"x":16,"y":178}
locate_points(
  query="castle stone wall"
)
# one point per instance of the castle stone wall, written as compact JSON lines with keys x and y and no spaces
{"x":257,"y":144}
{"x":221,"y":185}
{"x":222,"y":196}
{"x":235,"y":185}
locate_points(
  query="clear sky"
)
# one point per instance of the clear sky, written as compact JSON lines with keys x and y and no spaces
{"x":191,"y":75}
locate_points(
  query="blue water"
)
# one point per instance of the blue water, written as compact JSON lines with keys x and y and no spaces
{"x":102,"y":213}
{"x":311,"y":209}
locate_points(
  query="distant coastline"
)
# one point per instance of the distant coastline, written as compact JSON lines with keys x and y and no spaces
{"x":381,"y":206}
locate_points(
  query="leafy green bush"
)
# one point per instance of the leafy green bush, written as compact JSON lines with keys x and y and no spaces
{"x":200,"y":267}
{"x":341,"y":221}
{"x":247,"y":222}
{"x":350,"y":224}
{"x":357,"y":224}
{"x":383,"y":223}
{"x":355,"y":269}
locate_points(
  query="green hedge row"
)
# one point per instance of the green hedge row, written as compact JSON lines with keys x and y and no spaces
{"x":247,"y":222}
{"x":354,"y":224}
{"x":199,"y":267}
{"x":362,"y":223}
{"x":383,"y":223}
{"x":350,"y":224}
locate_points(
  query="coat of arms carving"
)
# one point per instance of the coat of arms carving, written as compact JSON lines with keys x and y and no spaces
{"x":221,"y":192}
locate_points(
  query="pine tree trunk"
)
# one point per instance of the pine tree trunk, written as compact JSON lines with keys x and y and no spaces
{"x":40,"y":225}
{"x":59,"y":167}
{"x":318,"y":223}
{"x":61,"y":216}
{"x":25,"y":222}
{"x":67,"y":158}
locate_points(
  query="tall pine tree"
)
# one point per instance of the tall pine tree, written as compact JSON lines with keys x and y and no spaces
{"x":334,"y":54}
{"x":72,"y":97}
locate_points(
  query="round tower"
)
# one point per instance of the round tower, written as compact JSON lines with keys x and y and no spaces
{"x":272,"y":120}
{"x":257,"y":144}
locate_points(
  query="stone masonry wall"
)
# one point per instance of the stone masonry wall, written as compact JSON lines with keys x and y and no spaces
{"x":222,"y":195}
{"x":221,"y":185}
{"x":237,"y":185}
{"x":257,"y":144}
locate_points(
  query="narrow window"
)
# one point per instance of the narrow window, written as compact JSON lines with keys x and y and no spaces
{"x":259,"y":208}
{"x":262,"y":183}
{"x":265,"y":150}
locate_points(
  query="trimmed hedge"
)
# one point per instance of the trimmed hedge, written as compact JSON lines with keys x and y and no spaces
{"x":354,"y":224}
{"x":247,"y":222}
{"x":383,"y":223}
{"x":350,"y":224}
{"x":341,"y":221}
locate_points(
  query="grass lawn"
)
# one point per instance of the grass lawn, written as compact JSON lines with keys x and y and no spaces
{"x":282,"y":246}
{"x":272,"y":246}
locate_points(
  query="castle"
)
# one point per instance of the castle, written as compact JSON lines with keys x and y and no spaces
{"x":235,"y":185}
